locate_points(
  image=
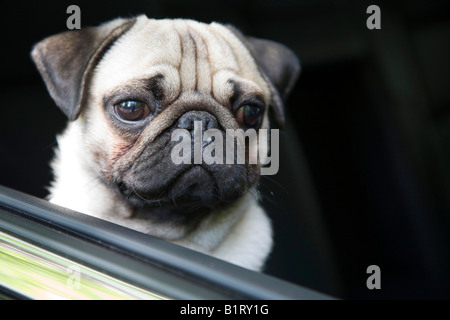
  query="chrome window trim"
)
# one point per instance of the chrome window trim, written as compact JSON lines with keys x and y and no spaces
{"x":35,"y":273}
{"x":143,"y":261}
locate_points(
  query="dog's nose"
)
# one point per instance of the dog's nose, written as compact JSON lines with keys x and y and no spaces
{"x":187,"y":120}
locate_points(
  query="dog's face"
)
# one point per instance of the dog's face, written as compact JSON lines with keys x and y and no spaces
{"x":131,"y":83}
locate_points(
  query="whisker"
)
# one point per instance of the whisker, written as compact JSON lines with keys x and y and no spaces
{"x":278,"y":184}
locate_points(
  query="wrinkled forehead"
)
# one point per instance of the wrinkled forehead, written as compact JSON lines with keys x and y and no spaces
{"x":186,"y":55}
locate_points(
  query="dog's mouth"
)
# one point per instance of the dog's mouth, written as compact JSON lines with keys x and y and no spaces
{"x":192,"y":189}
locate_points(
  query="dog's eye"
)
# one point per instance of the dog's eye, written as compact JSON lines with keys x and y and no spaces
{"x":132,"y":110}
{"x":249,"y":115}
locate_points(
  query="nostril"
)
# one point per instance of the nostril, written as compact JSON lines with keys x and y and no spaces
{"x":211,"y":123}
{"x":186,"y":122}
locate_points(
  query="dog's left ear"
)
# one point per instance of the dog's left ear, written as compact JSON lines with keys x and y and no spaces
{"x":279,"y":65}
{"x":66,"y":60}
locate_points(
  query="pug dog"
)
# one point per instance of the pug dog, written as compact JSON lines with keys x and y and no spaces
{"x":125,"y":86}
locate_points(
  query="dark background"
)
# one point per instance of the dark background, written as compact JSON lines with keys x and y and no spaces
{"x":365,"y":164}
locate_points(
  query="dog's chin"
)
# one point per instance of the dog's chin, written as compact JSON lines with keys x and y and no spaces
{"x":194,"y":193}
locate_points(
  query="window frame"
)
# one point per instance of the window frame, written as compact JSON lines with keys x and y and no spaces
{"x":144,"y":261}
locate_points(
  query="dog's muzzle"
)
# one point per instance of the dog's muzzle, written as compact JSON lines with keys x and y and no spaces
{"x":155,"y":181}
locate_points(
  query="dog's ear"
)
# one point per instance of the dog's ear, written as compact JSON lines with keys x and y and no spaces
{"x":66,"y":60}
{"x":281,"y":66}
{"x":278,"y":64}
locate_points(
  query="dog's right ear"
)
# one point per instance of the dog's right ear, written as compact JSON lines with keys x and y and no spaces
{"x":66,"y":60}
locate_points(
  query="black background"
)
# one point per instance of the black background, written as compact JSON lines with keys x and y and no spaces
{"x":365,"y":163}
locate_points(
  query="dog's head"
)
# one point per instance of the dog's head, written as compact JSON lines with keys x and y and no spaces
{"x":130,"y":83}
